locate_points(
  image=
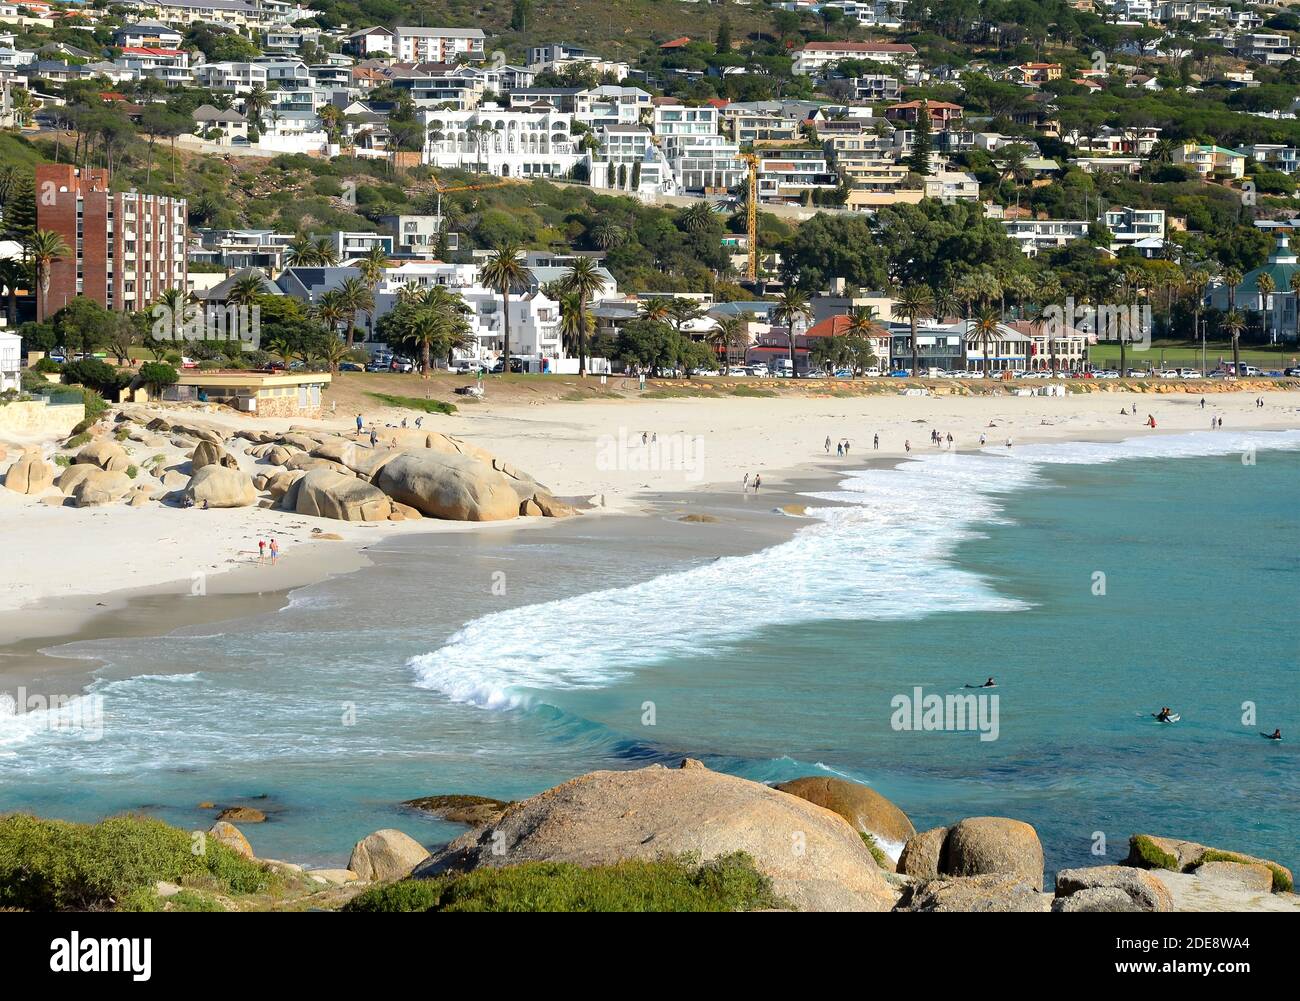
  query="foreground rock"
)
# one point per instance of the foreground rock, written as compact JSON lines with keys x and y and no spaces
{"x":327,"y":494}
{"x":476,"y":811}
{"x":386,"y":855}
{"x":863,"y":807}
{"x":976,"y":846}
{"x":986,"y":893}
{"x":1110,"y":888}
{"x":218,"y":486}
{"x":107,"y":455}
{"x":815,"y":860}
{"x":1149,"y":851}
{"x":231,"y":836}
{"x":451,"y":486}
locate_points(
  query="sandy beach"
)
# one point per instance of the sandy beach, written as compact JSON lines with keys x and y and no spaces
{"x":65,"y":566}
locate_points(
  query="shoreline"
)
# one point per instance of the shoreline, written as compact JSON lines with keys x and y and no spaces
{"x":248,"y":588}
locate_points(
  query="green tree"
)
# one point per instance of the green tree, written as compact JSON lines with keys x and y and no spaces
{"x":505,"y":272}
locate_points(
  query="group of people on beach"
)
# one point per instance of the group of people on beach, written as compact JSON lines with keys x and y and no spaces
{"x":267,"y":550}
{"x":756,"y":481}
{"x":842,"y":446}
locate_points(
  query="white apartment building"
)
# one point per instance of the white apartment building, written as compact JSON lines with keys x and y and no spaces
{"x":1130,"y":227}
{"x":611,"y":104}
{"x":1034,"y":235}
{"x":508,"y":143}
{"x":1273,"y":155}
{"x":171,"y":66}
{"x":239,"y":78}
{"x":638,"y":164}
{"x":817,"y":57}
{"x":701,"y":159}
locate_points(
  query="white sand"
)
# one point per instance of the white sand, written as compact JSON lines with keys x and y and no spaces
{"x":584,"y":449}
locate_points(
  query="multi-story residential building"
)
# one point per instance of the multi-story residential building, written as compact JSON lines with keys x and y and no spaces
{"x":348,"y":246}
{"x":952,"y":186}
{"x":1034,"y":74}
{"x":417,"y":235}
{"x":1265,"y":47}
{"x":876,"y":87}
{"x":611,"y":104}
{"x":702,"y":160}
{"x":870,"y":13}
{"x":147,"y":34}
{"x":1135,"y":140}
{"x":509,"y":143}
{"x":1211,"y":161}
{"x":238,"y":77}
{"x":127,"y":248}
{"x":815,"y":58}
{"x":1273,"y":155}
{"x":749,"y":127}
{"x":239,"y":249}
{"x":793,"y":176}
{"x":226,"y":127}
{"x":636,"y":161}
{"x":171,"y":66}
{"x":1034,"y":235}
{"x":1133,"y":227}
{"x":942,"y":114}
{"x":437,"y":45}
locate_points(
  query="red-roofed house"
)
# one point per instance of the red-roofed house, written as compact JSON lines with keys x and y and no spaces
{"x":941,"y":112}
{"x":677,"y":43}
{"x":171,"y":66}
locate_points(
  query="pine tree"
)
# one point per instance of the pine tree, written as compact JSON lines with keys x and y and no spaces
{"x":723,"y":43}
{"x":918,"y":161}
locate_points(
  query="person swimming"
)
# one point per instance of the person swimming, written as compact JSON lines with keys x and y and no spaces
{"x":1165,"y":715}
{"x":1275,"y":735}
{"x":988,"y":684}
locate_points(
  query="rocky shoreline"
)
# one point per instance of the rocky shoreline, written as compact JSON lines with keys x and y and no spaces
{"x":816,"y":839}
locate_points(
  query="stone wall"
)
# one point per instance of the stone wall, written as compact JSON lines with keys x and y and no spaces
{"x":30,"y":418}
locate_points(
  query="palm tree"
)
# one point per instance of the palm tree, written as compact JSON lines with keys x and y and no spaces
{"x":282,"y":347}
{"x":331,"y":311}
{"x":1265,"y":286}
{"x":655,"y":310}
{"x":356,"y":298}
{"x":302,"y":252}
{"x":696,"y":218}
{"x":245,"y":290}
{"x":174,"y":303}
{"x":1196,"y":283}
{"x":585,"y":279}
{"x":573,"y":317}
{"x":1294,"y":285}
{"x":332,"y":351}
{"x":1232,"y":278}
{"x":325,"y":254}
{"x":986,"y":331}
{"x":44,"y":247}
{"x":791,"y":305}
{"x":504,"y":272}
{"x":1234,"y":323}
{"x":915,"y":302}
{"x":606,"y":234}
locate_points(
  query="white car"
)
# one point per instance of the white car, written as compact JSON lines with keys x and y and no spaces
{"x":736,"y":370}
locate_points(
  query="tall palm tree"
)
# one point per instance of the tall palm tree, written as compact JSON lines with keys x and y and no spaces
{"x":914,"y":303}
{"x":1294,"y":285}
{"x":504,"y":272}
{"x":302,"y":252}
{"x":986,"y":331}
{"x":1265,"y":286}
{"x":331,"y":311}
{"x":1232,"y":278}
{"x":356,"y":298}
{"x":245,"y":290}
{"x":585,"y":279}
{"x":325,"y":254}
{"x":791,"y":305}
{"x":174,"y":303}
{"x":655,"y":310}
{"x":573,"y":317}
{"x":44,"y":247}
{"x":696,"y":218}
{"x":1234,"y":323}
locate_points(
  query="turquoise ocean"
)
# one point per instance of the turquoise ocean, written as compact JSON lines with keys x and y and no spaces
{"x":1095,"y":583}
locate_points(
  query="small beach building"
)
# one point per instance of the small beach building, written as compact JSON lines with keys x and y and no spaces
{"x":266,"y":394}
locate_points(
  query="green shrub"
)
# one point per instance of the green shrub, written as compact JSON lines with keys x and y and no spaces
{"x":412,"y":403}
{"x":1281,"y":881}
{"x":63,"y":460}
{"x":121,"y":434}
{"x":132,"y":471}
{"x":51,"y":865}
{"x":1151,"y":854}
{"x":46,"y":365}
{"x":877,"y":852}
{"x":727,"y":883}
{"x":158,"y":375}
{"x":77,"y":440}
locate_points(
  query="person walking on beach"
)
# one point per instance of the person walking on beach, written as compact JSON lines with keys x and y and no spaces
{"x":758,"y":482}
{"x":828,"y":444}
{"x":275,"y":551}
{"x":360,"y":422}
{"x":907,"y":447}
{"x":1008,"y":442}
{"x":846,"y":446}
{"x":875,"y":442}
{"x":374,"y":437}
{"x":950,"y":439}
{"x":839,"y":448}
{"x":261,"y":551}
{"x":1202,"y":402}
{"x":744,"y":487}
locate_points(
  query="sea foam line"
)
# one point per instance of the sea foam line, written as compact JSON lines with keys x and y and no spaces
{"x":882,"y":554}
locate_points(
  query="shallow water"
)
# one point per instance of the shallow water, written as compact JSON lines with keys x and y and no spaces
{"x":605,"y":652}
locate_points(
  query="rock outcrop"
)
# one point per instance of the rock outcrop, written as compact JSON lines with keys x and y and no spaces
{"x":922,"y":854}
{"x":980,"y":846}
{"x":815,"y":860}
{"x":386,"y":855}
{"x":232,"y":837}
{"x":863,"y":807}
{"x":108,"y":455}
{"x":1110,"y":888}
{"x":218,"y":486}
{"x":207,"y":453}
{"x":476,"y":811}
{"x":29,"y":474}
{"x":990,"y":892}
{"x":452,"y":486}
{"x":324,"y":493}
{"x":99,"y":487}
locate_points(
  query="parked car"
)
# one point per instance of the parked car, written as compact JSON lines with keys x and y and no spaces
{"x":1293,"y":373}
{"x":351,"y":366}
{"x":759,"y":370}
{"x":736,"y":371}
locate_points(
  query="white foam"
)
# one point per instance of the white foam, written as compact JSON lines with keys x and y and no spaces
{"x":882,"y":554}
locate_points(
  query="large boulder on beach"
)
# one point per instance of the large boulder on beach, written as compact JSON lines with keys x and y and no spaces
{"x":207,"y":454}
{"x":305,"y":462}
{"x":980,"y":846}
{"x":105,"y":454}
{"x":73,"y":475}
{"x":218,"y":486}
{"x":864,"y":808}
{"x":451,"y":486}
{"x":99,"y":487}
{"x":386,"y":855}
{"x":278,"y":484}
{"x":232,"y":837}
{"x":988,"y":893}
{"x":340,"y":450}
{"x":815,"y":860}
{"x":1100,"y":888}
{"x":324,"y":493}
{"x":29,"y":474}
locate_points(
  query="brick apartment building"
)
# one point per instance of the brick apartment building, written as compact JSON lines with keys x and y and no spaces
{"x":129,"y":247}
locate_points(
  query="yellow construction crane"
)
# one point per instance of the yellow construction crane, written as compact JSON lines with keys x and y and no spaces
{"x":442,"y":189}
{"x":751,"y":269}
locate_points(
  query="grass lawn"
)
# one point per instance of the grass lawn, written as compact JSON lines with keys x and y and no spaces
{"x":1186,"y":354}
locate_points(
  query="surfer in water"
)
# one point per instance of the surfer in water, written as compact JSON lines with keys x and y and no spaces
{"x":1165,"y":715}
{"x":1275,"y":735}
{"x":988,"y":684}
